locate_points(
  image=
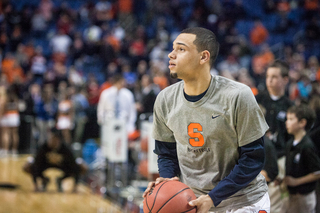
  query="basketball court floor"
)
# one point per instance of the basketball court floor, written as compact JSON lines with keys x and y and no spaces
{"x":17,"y":195}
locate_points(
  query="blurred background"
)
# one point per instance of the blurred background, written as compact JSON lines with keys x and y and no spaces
{"x":52,"y":51}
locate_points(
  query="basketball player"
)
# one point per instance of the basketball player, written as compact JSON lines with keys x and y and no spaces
{"x":209,"y":131}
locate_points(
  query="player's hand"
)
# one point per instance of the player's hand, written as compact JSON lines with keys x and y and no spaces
{"x":154,"y":183}
{"x":203,"y":203}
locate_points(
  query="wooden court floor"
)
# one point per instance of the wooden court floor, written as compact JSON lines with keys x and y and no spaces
{"x":24,"y":200}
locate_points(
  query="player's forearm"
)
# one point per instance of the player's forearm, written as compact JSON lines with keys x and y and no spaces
{"x":168,"y":167}
{"x":168,"y":163}
{"x":249,"y":166}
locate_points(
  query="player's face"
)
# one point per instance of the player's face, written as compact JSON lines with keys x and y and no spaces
{"x":292,"y":123}
{"x":274,"y":80}
{"x":184,"y":58}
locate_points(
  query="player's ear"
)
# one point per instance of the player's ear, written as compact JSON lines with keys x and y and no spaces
{"x":204,"y":57}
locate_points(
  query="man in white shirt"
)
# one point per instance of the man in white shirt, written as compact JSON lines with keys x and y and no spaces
{"x":60,"y":43}
{"x":117,"y":102}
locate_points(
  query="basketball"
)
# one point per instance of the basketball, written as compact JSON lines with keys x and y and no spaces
{"x":169,"y":197}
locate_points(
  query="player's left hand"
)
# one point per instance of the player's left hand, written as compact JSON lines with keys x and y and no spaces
{"x":203,"y":203}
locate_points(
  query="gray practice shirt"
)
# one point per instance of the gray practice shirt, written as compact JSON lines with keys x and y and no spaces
{"x":208,"y":134}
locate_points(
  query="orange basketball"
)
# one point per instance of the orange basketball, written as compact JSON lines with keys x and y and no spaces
{"x":169,"y":197}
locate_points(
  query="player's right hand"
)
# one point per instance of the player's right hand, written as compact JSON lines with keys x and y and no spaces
{"x":154,"y":183}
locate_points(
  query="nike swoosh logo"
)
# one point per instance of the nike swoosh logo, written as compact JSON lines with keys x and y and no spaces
{"x":213,"y":117}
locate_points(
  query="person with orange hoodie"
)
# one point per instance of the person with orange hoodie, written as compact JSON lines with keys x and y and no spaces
{"x":258,"y":34}
{"x":12,"y":69}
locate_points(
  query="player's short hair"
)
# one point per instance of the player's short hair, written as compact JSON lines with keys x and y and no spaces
{"x":282,"y":65}
{"x":303,"y":112}
{"x":205,"y":40}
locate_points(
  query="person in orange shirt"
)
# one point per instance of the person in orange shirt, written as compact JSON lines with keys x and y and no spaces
{"x":261,"y":60}
{"x":12,"y":69}
{"x":125,"y":6}
{"x":311,"y":8}
{"x":161,"y":80}
{"x":311,"y":5}
{"x":258,"y":34}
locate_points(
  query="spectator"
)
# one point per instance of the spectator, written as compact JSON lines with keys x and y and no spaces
{"x":258,"y":34}
{"x":93,"y":90}
{"x":313,"y":68}
{"x":312,"y":30}
{"x":15,"y":38}
{"x":38,"y":25}
{"x":276,"y":104}
{"x":149,"y":92}
{"x":245,"y":78}
{"x":75,"y":78}
{"x":80,"y":104}
{"x":10,"y":122}
{"x":60,"y":44}
{"x":260,"y":62}
{"x":106,"y":52}
{"x":76,"y":49}
{"x":12,"y":69}
{"x":46,"y":9}
{"x":159,"y":77}
{"x":230,"y":66}
{"x":38,"y":65}
{"x":60,"y":74}
{"x":117,"y":102}
{"x":54,"y":154}
{"x":65,"y":116}
{"x":65,"y":24}
{"x":302,"y":161}
{"x":311,"y":8}
{"x":35,"y":100}
{"x":22,"y":58}
{"x":103,"y":11}
{"x":129,"y":76}
{"x":45,"y":111}
{"x":304,"y":87}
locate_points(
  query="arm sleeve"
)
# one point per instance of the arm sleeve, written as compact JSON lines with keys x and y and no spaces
{"x":250,"y":163}
{"x":167,"y":159}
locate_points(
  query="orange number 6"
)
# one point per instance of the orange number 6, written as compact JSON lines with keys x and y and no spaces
{"x":262,"y":211}
{"x":195,"y":135}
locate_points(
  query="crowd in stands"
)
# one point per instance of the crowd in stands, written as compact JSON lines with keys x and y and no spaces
{"x":58,"y":56}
